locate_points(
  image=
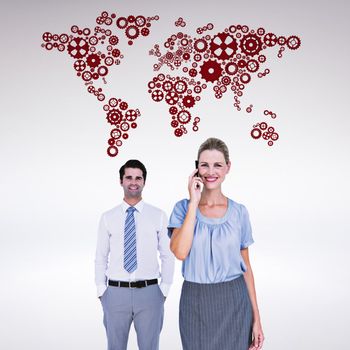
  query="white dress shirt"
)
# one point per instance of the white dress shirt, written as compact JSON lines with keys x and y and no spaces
{"x":151,"y":239}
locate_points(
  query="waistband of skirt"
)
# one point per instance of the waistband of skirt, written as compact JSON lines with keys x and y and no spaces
{"x":239,"y":279}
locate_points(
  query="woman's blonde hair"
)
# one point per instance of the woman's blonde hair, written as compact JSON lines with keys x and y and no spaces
{"x":217,"y":144}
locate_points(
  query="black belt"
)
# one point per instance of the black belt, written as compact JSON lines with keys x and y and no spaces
{"x":137,"y":284}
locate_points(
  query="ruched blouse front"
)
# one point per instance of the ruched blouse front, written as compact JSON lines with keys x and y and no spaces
{"x":215,"y":253}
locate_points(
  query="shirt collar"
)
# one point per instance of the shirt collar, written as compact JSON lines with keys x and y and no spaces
{"x":138,"y":206}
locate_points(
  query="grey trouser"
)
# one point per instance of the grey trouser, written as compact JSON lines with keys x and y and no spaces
{"x":144,"y":306}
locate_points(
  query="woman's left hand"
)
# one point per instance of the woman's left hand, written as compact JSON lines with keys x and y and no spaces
{"x":258,"y":336}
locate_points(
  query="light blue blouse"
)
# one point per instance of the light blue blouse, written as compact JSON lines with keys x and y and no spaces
{"x":215,"y":253}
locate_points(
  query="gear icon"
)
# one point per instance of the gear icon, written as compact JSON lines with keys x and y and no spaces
{"x":122,"y":22}
{"x":78,"y":48}
{"x":167,"y":85}
{"x":123,"y":105}
{"x":79,"y":65}
{"x":144,"y":31}
{"x":200,"y":45}
{"x":270,"y":39}
{"x":245,"y":78}
{"x":173,"y":110}
{"x":211,"y":71}
{"x":140,"y":21}
{"x":251,"y":45}
{"x":180,"y":86}
{"x":64,"y":38}
{"x":93,"y":60}
{"x":178,"y":132}
{"x":114,"y":116}
{"x":47,"y":36}
{"x":192,"y":72}
{"x":132,"y":32}
{"x":223,"y":46}
{"x":157,"y":95}
{"x":255,"y":133}
{"x":116,"y":134}
{"x":113,"y":40}
{"x":231,"y":68}
{"x":184,"y":116}
{"x":293,"y":42}
{"x":86,"y":75}
{"x":252,"y":66}
{"x":112,"y":151}
{"x":102,"y":71}
{"x":188,"y":101}
{"x":130,"y":115}
{"x":171,"y":97}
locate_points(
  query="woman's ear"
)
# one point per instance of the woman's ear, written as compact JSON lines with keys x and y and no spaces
{"x":228,"y":166}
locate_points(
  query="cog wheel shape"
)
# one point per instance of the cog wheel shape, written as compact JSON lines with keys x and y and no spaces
{"x":79,"y":65}
{"x":114,"y":116}
{"x":251,"y":44}
{"x":252,"y":66}
{"x":211,"y":71}
{"x":255,"y":133}
{"x":116,"y":134}
{"x":132,"y":32}
{"x":171,"y":98}
{"x":188,"y":101}
{"x":200,"y":45}
{"x":131,"y":115}
{"x":157,"y":95}
{"x":270,"y":39}
{"x":140,"y":21}
{"x":180,"y":86}
{"x":231,"y":68}
{"x":167,"y":85}
{"x":223,"y":46}
{"x":184,"y":116}
{"x":78,"y":48}
{"x":293,"y":42}
{"x":93,"y":60}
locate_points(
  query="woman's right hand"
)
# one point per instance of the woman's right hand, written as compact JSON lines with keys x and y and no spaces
{"x":195,"y":184}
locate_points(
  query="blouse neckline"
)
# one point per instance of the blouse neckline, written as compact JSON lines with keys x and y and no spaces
{"x":221,"y":220}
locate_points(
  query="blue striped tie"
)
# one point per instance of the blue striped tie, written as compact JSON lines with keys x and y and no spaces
{"x":130,"y":261}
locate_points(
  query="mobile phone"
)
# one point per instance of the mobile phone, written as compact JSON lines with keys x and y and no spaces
{"x":197,"y":173}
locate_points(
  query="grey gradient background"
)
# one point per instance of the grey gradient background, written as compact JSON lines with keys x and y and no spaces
{"x":56,"y":179}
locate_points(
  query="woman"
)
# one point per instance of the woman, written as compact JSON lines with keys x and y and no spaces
{"x":211,"y":233}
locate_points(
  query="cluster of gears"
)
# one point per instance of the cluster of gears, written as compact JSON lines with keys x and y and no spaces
{"x":94,"y":52}
{"x":262,"y":130}
{"x":270,"y":113}
{"x":180,"y":22}
{"x":226,"y":60}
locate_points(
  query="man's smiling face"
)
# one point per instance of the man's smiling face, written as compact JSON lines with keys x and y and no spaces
{"x":132,"y":183}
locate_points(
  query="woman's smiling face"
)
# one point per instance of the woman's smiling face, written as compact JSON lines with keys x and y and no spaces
{"x":212,"y":168}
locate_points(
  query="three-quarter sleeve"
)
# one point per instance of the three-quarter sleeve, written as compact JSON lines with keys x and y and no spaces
{"x":177,"y":216}
{"x":246,"y":229}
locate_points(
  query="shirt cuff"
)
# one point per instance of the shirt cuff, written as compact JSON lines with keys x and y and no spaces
{"x":165,"y":287}
{"x":101,"y":289}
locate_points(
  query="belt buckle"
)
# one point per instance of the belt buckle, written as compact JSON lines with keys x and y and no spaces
{"x":130,"y":285}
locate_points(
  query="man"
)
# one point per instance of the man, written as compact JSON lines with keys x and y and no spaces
{"x":126,"y":265}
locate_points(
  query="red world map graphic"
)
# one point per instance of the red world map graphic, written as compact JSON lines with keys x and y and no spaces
{"x":226,"y":60}
{"x":94,"y":53}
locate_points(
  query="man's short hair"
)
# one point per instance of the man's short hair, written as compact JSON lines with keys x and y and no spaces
{"x":135,"y":164}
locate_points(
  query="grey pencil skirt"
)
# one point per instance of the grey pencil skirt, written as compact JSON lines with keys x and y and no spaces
{"x":215,"y":316}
